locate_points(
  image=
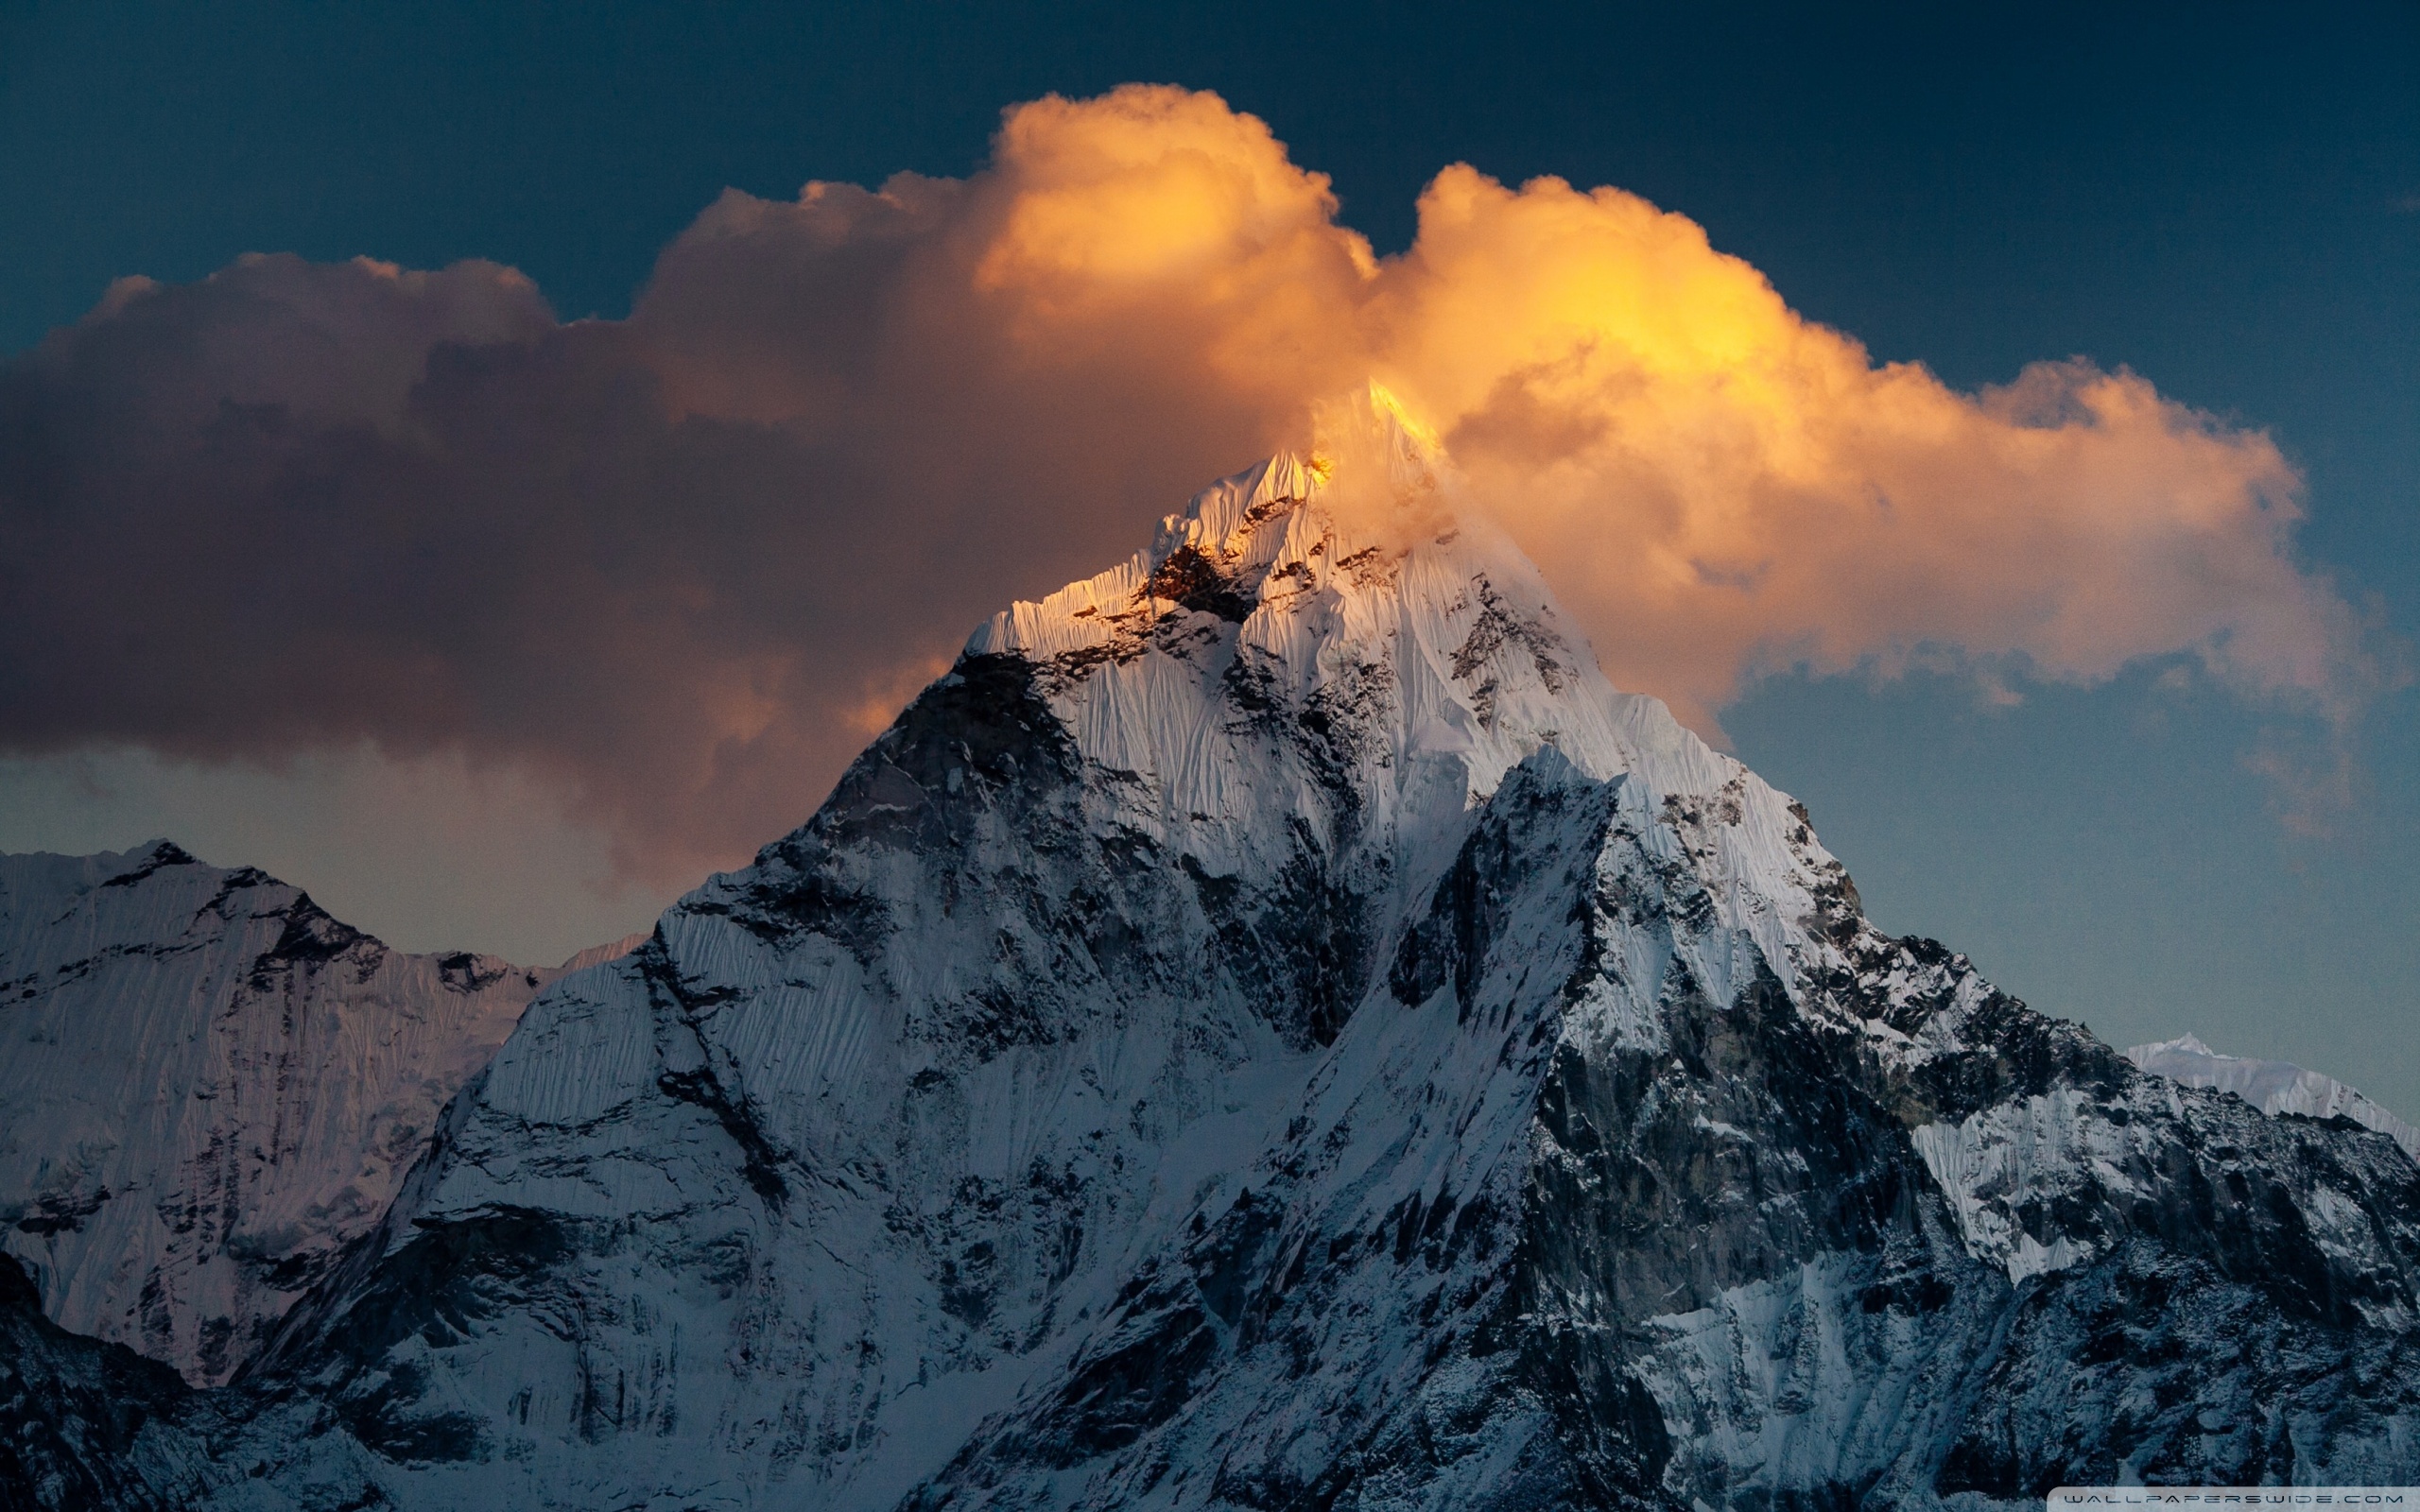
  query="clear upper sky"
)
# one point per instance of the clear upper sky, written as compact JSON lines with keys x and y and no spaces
{"x":2225,"y":199}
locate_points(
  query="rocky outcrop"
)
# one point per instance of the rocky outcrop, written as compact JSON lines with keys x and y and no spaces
{"x":86,"y":1424}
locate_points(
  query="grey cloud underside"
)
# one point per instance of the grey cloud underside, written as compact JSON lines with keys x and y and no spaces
{"x":1273,"y":1029}
{"x":300,"y":507}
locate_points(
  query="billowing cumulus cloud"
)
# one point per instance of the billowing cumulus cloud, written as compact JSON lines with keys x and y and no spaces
{"x":682,"y":565}
{"x":1728,"y":486}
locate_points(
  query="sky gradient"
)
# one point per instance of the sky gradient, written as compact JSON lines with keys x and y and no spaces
{"x":2225,"y":206}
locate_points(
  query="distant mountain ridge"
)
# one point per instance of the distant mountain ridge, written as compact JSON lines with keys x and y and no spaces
{"x":1273,"y":1028}
{"x":210,"y":1088}
{"x":2272,"y":1086}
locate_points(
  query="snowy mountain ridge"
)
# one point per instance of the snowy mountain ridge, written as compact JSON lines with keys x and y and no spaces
{"x":1271,"y":1028}
{"x":2272,"y":1086}
{"x":211,"y":1087}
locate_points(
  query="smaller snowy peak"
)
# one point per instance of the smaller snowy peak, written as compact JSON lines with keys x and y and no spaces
{"x":1199,"y":559}
{"x":2272,"y":1086}
{"x":210,"y":1086}
{"x":1216,"y":556}
{"x":1223,"y":519}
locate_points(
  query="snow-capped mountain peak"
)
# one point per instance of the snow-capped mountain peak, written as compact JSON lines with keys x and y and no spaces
{"x":1343,"y":638}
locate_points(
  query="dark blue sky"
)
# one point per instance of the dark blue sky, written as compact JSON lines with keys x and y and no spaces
{"x":2224,"y":198}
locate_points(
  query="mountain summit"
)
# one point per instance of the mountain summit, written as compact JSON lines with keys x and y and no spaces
{"x":1272,"y":1028}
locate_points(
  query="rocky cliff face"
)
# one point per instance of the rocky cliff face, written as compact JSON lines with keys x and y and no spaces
{"x":88,"y":1424}
{"x":211,"y":1087}
{"x":1272,"y":1028}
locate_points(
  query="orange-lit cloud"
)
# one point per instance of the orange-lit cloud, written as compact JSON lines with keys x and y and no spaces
{"x":1725,"y":485}
{"x":680,"y":562}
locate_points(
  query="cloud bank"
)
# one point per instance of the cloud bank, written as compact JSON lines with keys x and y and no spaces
{"x":682,"y":565}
